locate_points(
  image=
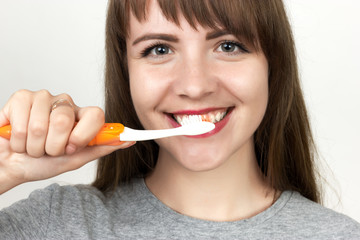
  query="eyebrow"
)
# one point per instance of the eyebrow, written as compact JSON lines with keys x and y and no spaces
{"x":216,"y":34}
{"x":160,"y":36}
{"x":172,"y":38}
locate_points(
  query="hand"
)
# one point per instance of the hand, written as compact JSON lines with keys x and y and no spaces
{"x":44,"y":142}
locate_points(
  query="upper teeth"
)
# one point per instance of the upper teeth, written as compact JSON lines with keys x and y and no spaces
{"x":212,"y":117}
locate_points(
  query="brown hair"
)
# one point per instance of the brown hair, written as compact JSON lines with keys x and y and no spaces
{"x":283,"y":142}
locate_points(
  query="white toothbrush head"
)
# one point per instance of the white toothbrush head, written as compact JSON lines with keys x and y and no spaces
{"x":197,"y":128}
{"x":190,"y":129}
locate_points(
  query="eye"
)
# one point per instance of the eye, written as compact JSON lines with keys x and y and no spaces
{"x":160,"y":50}
{"x":232,"y":47}
{"x":228,"y":47}
{"x":156,"y":50}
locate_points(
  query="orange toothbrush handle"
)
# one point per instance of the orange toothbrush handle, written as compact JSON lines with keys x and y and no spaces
{"x":5,"y":132}
{"x":108,"y":135}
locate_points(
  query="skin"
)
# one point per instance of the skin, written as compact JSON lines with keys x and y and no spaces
{"x":45,"y":143}
{"x":214,"y":178}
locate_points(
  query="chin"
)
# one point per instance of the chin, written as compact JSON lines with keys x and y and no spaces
{"x":202,"y":166}
{"x":199,"y":162}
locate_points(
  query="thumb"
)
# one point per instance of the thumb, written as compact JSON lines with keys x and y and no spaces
{"x":88,"y":154}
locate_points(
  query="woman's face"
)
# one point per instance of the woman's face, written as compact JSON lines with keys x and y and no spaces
{"x":176,"y":72}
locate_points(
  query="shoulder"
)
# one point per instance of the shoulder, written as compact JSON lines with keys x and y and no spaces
{"x":67,"y":193}
{"x":78,"y":212}
{"x":300,"y":204}
{"x":72,"y":198}
{"x":317,"y":219}
{"x":49,"y":209}
{"x":65,"y":201}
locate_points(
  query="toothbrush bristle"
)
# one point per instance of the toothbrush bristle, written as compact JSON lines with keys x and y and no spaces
{"x":205,"y":118}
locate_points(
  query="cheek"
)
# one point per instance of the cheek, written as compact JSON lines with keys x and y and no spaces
{"x":149,"y":83}
{"x":140,"y":89}
{"x":148,"y":86}
{"x":249,"y":83}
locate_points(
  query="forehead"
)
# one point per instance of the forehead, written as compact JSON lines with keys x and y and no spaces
{"x":174,"y":10}
{"x":236,"y":17}
{"x":153,"y":20}
{"x":156,"y":21}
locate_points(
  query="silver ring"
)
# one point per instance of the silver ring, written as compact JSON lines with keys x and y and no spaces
{"x":61,"y":102}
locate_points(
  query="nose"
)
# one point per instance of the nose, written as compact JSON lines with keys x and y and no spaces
{"x":195,"y":79}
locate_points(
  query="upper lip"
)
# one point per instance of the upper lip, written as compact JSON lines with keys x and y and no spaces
{"x":198,"y":112}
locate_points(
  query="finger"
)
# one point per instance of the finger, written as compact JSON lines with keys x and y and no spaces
{"x":38,"y":124}
{"x":61,"y":123}
{"x":18,"y":112}
{"x":90,"y":121}
{"x":57,"y":165}
{"x":89,"y":154}
{"x":3,"y":118}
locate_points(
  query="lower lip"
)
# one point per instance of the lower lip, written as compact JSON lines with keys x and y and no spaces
{"x":218,"y":126}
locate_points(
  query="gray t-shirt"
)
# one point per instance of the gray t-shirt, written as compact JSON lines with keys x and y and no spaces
{"x":133,"y":212}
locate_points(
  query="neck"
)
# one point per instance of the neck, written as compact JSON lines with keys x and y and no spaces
{"x":233,"y":191}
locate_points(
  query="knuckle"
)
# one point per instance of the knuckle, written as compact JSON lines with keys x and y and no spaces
{"x":98,"y":114}
{"x":65,"y":96}
{"x":36,"y":153}
{"x":44,"y":93}
{"x":17,"y":148}
{"x":38,"y":128}
{"x":78,"y":139}
{"x":18,"y":132}
{"x":54,"y":151}
{"x":22,"y":94}
{"x":62,"y":121}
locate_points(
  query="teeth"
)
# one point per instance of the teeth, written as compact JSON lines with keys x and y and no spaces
{"x":218,"y":117}
{"x":178,"y":119}
{"x":213,"y":117}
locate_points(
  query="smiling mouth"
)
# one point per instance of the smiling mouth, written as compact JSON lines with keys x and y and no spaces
{"x":214,"y":116}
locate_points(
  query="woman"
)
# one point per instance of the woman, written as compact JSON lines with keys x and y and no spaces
{"x":253,"y":177}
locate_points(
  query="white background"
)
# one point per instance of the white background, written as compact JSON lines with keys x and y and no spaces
{"x":59,"y":45}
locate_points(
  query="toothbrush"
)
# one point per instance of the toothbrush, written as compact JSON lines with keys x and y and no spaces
{"x":116,"y":133}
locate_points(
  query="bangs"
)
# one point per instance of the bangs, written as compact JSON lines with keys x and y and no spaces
{"x":234,"y":16}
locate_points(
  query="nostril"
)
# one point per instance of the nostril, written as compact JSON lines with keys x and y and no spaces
{"x":196,"y":89}
{"x":195,"y":79}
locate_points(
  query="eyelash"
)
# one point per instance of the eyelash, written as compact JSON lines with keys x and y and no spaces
{"x":147,"y":51}
{"x":241,"y":46}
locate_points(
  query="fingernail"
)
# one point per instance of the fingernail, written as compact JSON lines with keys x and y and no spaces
{"x":70,"y":149}
{"x":128,"y":144}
